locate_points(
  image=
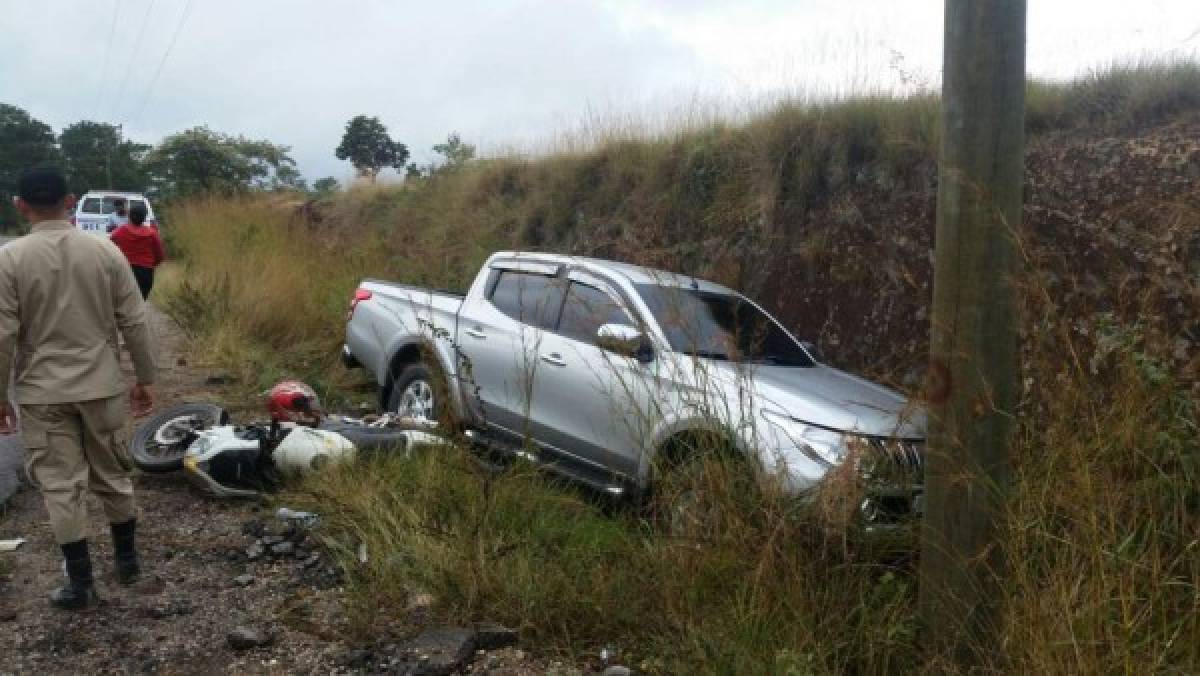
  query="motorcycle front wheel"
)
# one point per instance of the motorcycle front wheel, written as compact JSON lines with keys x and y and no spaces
{"x":160,"y":443}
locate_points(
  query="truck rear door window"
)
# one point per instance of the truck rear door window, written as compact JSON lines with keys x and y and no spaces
{"x":529,"y":298}
{"x":91,"y":205}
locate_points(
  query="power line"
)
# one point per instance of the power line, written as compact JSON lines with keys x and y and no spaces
{"x":116,"y":108}
{"x":112,"y":32}
{"x":183,"y":17}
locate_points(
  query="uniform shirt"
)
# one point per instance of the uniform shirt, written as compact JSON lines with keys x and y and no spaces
{"x":64,"y":295}
{"x":140,"y":244}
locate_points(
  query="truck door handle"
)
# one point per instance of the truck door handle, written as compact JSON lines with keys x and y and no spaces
{"x":476,"y":333}
{"x":554,"y":358}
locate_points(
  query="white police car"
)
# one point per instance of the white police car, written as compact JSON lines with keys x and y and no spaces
{"x":92,"y":210}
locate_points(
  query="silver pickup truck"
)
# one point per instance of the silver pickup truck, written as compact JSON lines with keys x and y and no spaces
{"x":595,"y":368}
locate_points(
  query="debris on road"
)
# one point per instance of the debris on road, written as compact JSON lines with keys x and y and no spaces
{"x":11,"y":545}
{"x":492,"y":636}
{"x":437,"y":652}
{"x":245,"y":638}
{"x":305,"y":519}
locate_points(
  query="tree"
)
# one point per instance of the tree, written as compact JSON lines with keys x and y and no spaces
{"x":369,"y":148}
{"x":455,"y":152}
{"x":326,"y":186}
{"x":96,"y":156}
{"x":24,"y":142}
{"x":200,"y":160}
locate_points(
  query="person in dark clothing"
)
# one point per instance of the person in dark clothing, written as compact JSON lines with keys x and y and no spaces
{"x":142,"y":247}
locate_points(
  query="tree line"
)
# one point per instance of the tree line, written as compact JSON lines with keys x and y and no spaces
{"x":97,"y":156}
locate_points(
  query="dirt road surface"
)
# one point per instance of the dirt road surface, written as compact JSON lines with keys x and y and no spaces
{"x":176,"y":620}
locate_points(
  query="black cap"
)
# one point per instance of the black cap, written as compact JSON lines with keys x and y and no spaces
{"x":42,"y":186}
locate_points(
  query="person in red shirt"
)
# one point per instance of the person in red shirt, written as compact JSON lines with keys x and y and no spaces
{"x":142,"y":247}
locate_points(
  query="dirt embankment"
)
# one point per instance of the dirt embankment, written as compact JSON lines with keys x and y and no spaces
{"x":1111,"y":227}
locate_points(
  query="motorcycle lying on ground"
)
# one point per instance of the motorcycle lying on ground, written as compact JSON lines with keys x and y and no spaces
{"x":244,"y":461}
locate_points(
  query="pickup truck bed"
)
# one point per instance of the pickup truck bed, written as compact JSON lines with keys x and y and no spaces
{"x":397,"y":315}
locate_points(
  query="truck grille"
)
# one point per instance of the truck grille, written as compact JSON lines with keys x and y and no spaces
{"x":894,"y":470}
{"x":897,"y":461}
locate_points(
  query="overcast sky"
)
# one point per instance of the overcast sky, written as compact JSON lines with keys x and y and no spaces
{"x":504,"y":74}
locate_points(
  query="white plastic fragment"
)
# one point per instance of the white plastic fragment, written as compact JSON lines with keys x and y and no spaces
{"x":306,"y":519}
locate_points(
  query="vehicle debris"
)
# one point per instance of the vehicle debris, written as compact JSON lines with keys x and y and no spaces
{"x":305,"y":519}
{"x":11,"y":545}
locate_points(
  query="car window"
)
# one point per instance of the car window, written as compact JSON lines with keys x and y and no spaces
{"x":529,"y":298}
{"x":91,"y":205}
{"x":586,"y":310}
{"x":720,"y":326}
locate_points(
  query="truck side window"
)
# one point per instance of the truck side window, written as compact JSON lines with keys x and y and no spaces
{"x":529,"y":298}
{"x":586,"y":310}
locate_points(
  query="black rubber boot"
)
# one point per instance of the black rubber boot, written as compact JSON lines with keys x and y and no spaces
{"x":79,"y":592}
{"x":125,"y":552}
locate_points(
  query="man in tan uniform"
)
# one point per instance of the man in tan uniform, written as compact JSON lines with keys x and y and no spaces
{"x":64,"y":295}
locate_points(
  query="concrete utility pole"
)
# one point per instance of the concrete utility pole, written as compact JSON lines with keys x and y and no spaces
{"x":973,"y":362}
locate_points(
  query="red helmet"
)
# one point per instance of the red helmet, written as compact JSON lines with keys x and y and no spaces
{"x":293,"y":401}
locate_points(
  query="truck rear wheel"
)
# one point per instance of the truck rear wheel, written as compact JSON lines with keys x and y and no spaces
{"x":419,"y":392}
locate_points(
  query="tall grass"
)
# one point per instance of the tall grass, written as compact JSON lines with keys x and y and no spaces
{"x":261,"y":291}
{"x":755,"y":594}
{"x":823,"y":211}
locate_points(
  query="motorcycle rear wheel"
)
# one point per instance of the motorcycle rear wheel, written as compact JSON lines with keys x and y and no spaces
{"x":160,"y":443}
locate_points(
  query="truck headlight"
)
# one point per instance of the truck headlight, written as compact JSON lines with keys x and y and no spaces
{"x":825,"y":446}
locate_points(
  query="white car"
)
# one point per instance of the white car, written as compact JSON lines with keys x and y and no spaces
{"x":93,"y":209}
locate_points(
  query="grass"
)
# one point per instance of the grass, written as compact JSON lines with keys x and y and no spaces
{"x":261,"y":292}
{"x":810,"y":208}
{"x":751,"y":596}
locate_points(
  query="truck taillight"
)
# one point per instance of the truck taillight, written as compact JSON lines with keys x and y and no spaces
{"x":359,"y":296}
{"x":73,"y":221}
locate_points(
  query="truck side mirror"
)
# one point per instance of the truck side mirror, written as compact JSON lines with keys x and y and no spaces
{"x":624,"y":340}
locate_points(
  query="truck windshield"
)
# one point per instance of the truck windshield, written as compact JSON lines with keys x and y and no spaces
{"x":720,"y":326}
